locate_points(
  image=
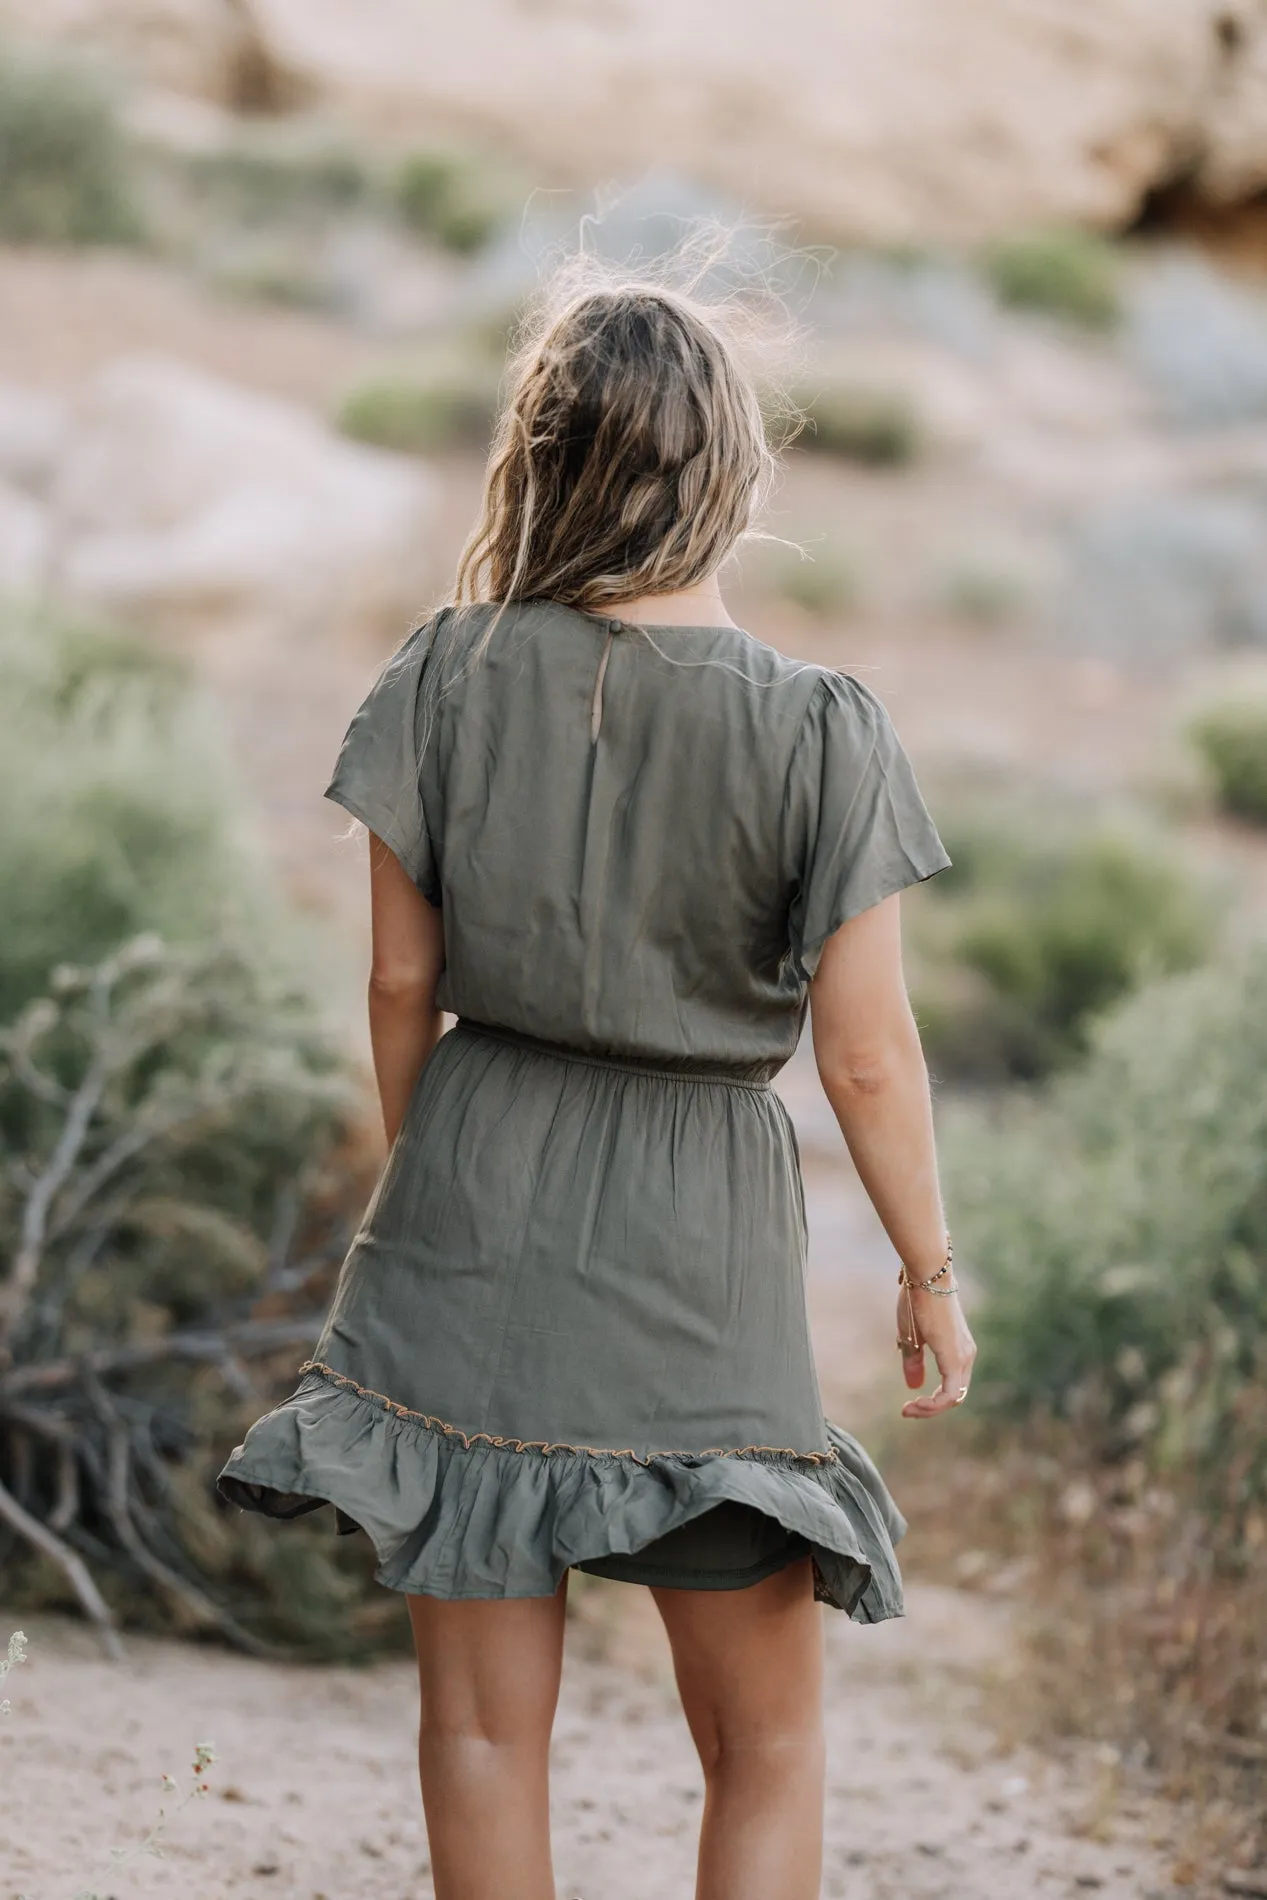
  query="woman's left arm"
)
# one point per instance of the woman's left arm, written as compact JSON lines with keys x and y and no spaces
{"x":406,"y":964}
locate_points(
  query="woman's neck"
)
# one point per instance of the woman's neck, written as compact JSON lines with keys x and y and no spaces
{"x":700,"y":606}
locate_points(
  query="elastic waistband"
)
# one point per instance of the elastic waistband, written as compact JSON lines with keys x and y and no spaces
{"x":751,"y":1075}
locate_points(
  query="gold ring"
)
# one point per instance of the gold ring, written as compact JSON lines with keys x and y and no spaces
{"x":963,"y":1393}
{"x":908,"y":1346}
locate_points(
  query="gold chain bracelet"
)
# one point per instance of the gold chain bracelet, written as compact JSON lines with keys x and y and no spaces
{"x":912,"y":1341}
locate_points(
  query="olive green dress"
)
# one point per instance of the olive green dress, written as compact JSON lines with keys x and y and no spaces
{"x":572,"y":1330}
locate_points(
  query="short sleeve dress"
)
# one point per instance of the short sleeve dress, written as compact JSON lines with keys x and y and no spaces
{"x":571,"y":1330}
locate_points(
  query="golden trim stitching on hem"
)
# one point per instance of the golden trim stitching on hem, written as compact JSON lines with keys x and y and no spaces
{"x":520,"y":1444}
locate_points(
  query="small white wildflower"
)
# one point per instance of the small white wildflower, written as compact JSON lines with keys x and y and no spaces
{"x":15,"y":1653}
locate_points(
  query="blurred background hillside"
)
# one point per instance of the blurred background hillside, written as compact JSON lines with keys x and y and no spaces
{"x":258,"y":263}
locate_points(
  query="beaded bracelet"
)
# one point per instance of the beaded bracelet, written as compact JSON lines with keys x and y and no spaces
{"x":930,"y":1285}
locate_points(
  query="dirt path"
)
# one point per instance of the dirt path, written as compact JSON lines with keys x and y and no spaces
{"x":313,"y":1795}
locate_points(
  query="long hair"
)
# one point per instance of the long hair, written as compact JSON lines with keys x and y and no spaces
{"x":628,"y":458}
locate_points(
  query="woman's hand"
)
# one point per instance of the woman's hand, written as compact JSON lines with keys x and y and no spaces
{"x":940,"y":1325}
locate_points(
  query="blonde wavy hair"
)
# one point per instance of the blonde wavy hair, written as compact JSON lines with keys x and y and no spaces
{"x":630,"y":455}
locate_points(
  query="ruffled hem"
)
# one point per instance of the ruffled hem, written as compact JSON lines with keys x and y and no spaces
{"x":475,"y":1519}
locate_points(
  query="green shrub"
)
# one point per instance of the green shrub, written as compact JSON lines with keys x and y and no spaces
{"x":118,"y":819}
{"x":194,"y":1119}
{"x":981,"y":596}
{"x":877,"y":427}
{"x":198,"y":1131}
{"x":1068,"y":274}
{"x":442,"y":198}
{"x":1117,"y":1225}
{"x":447,"y":404}
{"x":1032,"y":933}
{"x":262,"y":181}
{"x":824,"y":583}
{"x":1232,"y":742}
{"x":1113,"y":1225}
{"x":65,"y":173}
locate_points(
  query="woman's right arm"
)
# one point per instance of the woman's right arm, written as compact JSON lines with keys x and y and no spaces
{"x":872,"y":1068}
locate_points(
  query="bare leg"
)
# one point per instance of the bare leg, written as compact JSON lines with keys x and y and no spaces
{"x":750,"y":1670}
{"x":489,"y":1677}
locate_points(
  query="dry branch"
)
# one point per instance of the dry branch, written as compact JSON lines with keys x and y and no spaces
{"x":133,"y":1087}
{"x":46,"y":1541}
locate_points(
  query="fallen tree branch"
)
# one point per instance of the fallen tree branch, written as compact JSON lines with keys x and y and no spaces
{"x":118,"y":1503}
{"x":41,"y":1538}
{"x":35,"y":1216}
{"x":255,"y":1336}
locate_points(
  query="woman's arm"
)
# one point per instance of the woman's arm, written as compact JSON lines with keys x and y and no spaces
{"x":872,"y":1068}
{"x":405,"y":967}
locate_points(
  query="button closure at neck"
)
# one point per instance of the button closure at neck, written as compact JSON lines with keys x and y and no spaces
{"x":596,"y":704}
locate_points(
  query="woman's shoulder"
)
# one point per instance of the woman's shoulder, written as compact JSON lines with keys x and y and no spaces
{"x":826,"y":696}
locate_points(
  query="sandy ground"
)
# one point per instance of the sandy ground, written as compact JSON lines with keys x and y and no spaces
{"x":313,"y":1794}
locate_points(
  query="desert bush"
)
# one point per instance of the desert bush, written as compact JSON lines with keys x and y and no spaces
{"x":1202,"y":343}
{"x":980,"y":595}
{"x":449,"y":402}
{"x":823,"y":581}
{"x":880,"y":428}
{"x":1114,"y":1226}
{"x":1068,"y":274}
{"x":261,"y":214}
{"x":446,"y":199}
{"x":257,"y":181}
{"x":180,"y":1194}
{"x":1164,"y":574}
{"x":1140,"y":1614}
{"x":65,"y":172}
{"x":1232,"y":743}
{"x":1117,"y":1224}
{"x":118,"y":819}
{"x":183,"y":1165}
{"x":1035,"y":929}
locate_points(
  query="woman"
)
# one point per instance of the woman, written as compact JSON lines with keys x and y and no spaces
{"x":628,"y":846}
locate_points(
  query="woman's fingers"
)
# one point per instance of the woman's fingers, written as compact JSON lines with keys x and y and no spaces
{"x":952,"y":1391}
{"x":913,"y":1368}
{"x":954,"y":1352}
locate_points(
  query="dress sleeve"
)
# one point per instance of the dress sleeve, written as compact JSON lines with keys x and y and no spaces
{"x":858,"y":828}
{"x":377,"y":776}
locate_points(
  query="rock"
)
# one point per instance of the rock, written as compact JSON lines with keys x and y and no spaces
{"x":917,"y":118}
{"x":33,"y":432}
{"x":210,"y":48}
{"x":923,"y":117}
{"x":25,"y":542}
{"x":181,"y":495}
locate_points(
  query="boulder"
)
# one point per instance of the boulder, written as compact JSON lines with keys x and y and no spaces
{"x":182,"y":495}
{"x":906,"y":120}
{"x":25,"y":543}
{"x":33,"y":436}
{"x":209,"y":48}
